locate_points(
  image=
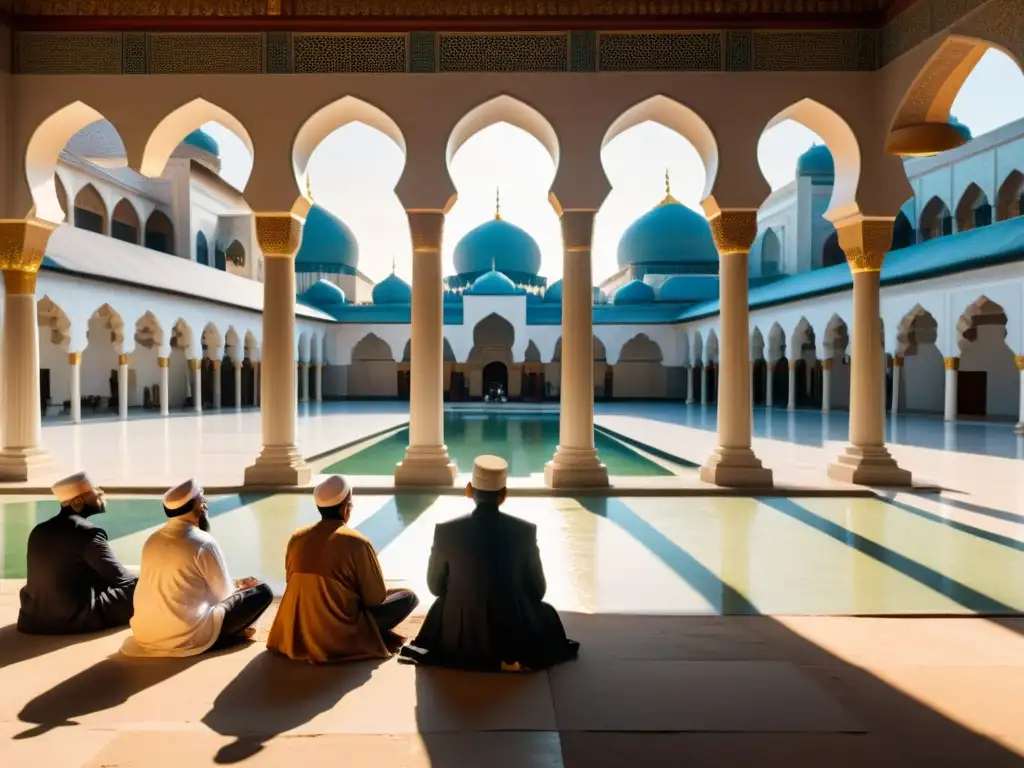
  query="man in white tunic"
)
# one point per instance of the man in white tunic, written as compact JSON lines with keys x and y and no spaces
{"x":185,"y":602}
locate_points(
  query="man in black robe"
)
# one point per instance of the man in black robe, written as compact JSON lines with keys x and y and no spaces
{"x":75,"y":582}
{"x":486,"y":572}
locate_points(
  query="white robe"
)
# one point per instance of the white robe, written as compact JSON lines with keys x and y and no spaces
{"x":183,"y":579}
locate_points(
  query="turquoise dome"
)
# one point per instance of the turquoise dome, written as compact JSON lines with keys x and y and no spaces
{"x":328,"y":246}
{"x":498,"y":245}
{"x":816,"y":162}
{"x":689,"y":288}
{"x":554,"y":293}
{"x":392,"y":290}
{"x":323,"y":294}
{"x":494,"y":283}
{"x":962,"y":129}
{"x":200,"y":139}
{"x":669,"y":239}
{"x":634,"y":292}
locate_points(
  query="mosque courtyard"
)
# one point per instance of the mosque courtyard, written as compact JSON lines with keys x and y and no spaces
{"x":819,"y":625}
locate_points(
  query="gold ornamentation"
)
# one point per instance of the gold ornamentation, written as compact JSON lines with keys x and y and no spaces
{"x":668,"y":199}
{"x":162,"y":362}
{"x":865,"y":243}
{"x":74,"y":358}
{"x":195,"y":364}
{"x":22,"y":247}
{"x":577,"y":230}
{"x":951,"y":363}
{"x":239,"y":53}
{"x":279,"y":234}
{"x":122,"y":359}
{"x":660,"y":51}
{"x":427,"y":230}
{"x":216,"y":365}
{"x":897,"y":362}
{"x":326,"y":52}
{"x":1020,"y":362}
{"x":733,"y":231}
{"x":826,"y":364}
{"x":511,"y":52}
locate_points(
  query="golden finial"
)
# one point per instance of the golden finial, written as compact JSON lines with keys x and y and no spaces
{"x":392,"y":264}
{"x":497,"y":203}
{"x":309,"y":186}
{"x":668,"y":190}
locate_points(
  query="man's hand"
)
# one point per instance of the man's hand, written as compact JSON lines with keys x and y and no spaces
{"x":246,"y":583}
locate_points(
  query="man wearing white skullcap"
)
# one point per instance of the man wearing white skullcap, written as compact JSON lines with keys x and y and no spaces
{"x":336,"y":606}
{"x":186,"y":602}
{"x":486,"y":571}
{"x":75,"y":583}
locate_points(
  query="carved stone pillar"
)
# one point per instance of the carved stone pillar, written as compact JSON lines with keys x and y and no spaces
{"x":216,"y":385}
{"x":122,"y":387}
{"x":304,"y":382}
{"x":195,"y":368}
{"x":826,"y":385}
{"x":237,"y":365}
{"x":165,"y":395}
{"x":791,"y":403}
{"x":22,"y":246}
{"x":279,"y":461}
{"x":690,"y":371}
{"x":897,"y":375}
{"x":426,"y":460}
{"x":769,"y":388}
{"x":866,"y":460}
{"x":952,"y":366}
{"x":75,"y":361}
{"x":318,"y":381}
{"x":732,"y":462}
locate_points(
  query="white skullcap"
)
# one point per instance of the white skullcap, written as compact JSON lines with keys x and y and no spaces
{"x":72,"y":487}
{"x":332,"y":491}
{"x":179,"y":497}
{"x":490,"y":473}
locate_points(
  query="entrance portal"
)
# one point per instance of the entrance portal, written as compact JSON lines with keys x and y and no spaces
{"x":495,"y":373}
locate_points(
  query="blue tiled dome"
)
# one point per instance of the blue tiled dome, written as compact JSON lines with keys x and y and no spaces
{"x":494,"y":283}
{"x":323,"y":294}
{"x":554,"y":293}
{"x":634,"y":292}
{"x":669,"y":238}
{"x":328,"y":246}
{"x":962,"y":129}
{"x":392,"y":290}
{"x":689,"y":288}
{"x":200,"y":139}
{"x":497,"y":245}
{"x":816,"y":162}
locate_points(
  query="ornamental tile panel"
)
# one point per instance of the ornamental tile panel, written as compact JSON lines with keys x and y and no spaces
{"x":349,"y":53}
{"x":195,"y":54}
{"x":739,"y":50}
{"x":504,"y":52}
{"x":135,"y":56}
{"x":908,"y":29}
{"x":71,"y":53}
{"x":806,"y":51}
{"x":583,"y":45}
{"x":278,"y":53}
{"x":947,"y":12}
{"x":649,"y":51}
{"x":149,"y":8}
{"x":422,"y":51}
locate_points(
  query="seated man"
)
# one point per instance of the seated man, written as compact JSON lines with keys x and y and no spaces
{"x":186,"y":603}
{"x":486,"y":572}
{"x":335,"y":605}
{"x":75,"y":583}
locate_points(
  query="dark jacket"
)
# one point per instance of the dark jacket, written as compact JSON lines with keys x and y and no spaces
{"x":75,"y":583}
{"x":486,"y":571}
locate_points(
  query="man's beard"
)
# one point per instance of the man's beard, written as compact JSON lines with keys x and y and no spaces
{"x":204,"y":522}
{"x":93,"y":509}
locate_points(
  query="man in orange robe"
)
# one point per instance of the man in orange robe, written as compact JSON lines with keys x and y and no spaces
{"x":336,"y":606}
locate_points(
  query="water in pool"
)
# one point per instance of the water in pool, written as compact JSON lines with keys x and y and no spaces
{"x":526,"y":440}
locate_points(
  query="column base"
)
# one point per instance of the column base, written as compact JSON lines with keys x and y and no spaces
{"x":278,"y":465}
{"x":426,"y":465}
{"x":26,"y":464}
{"x":575,"y":468}
{"x":868,"y":466}
{"x":735,"y":468}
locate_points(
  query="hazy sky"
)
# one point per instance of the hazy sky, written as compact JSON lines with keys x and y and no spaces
{"x":355,"y":170}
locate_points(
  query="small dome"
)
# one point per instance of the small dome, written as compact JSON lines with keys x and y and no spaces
{"x":816,"y":162}
{"x":599,"y":296}
{"x":323,"y":294}
{"x":689,"y":288}
{"x":494,"y":283}
{"x":634,"y":292}
{"x":200,"y":139}
{"x":554,"y":293}
{"x":670,"y":238}
{"x":328,"y":246}
{"x":392,"y":290}
{"x":497,"y":245}
{"x":962,"y":129}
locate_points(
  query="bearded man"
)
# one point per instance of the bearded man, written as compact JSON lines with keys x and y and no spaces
{"x":75,"y":582}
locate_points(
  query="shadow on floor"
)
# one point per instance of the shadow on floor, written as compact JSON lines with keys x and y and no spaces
{"x":16,"y":647}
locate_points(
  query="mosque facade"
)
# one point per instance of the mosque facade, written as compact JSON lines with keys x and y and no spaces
{"x":179,"y":324}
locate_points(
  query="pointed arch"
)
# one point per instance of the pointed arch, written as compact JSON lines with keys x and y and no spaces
{"x":173,"y":129}
{"x":372,"y":348}
{"x":756,"y":344}
{"x":831,"y":253}
{"x":771,"y":253}
{"x":903,"y":235}
{"x":124,"y":222}
{"x":235,"y":253}
{"x":936,"y":220}
{"x":52,"y":317}
{"x":202,"y":249}
{"x":159,"y":232}
{"x":503,"y":109}
{"x":837,"y":335}
{"x":776,"y":343}
{"x":973,"y":210}
{"x":182,"y":336}
{"x":1010,"y":198}
{"x":62,"y":197}
{"x":90,"y":210}
{"x":494,"y":330}
{"x":149,"y":334}
{"x":211,"y":338}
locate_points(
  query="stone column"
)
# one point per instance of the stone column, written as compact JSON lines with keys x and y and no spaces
{"x":22,"y":246}
{"x":897,"y":374}
{"x":1019,"y":428}
{"x":279,"y":461}
{"x":826,"y":385}
{"x":769,"y":389}
{"x":866,"y":460}
{"x":689,"y":383}
{"x":216,"y":385}
{"x":256,"y":383}
{"x":791,"y":404}
{"x":426,"y":460}
{"x":704,"y":384}
{"x":122,"y":387}
{"x":165,"y":394}
{"x":732,"y":462}
{"x":952,"y":366}
{"x":195,"y":367}
{"x":318,"y":381}
{"x":576,"y":463}
{"x":237,"y":365}
{"x":304,"y":382}
{"x":75,"y":361}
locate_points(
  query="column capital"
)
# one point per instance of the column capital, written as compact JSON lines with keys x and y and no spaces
{"x":279,"y":234}
{"x":1020,"y":362}
{"x":22,"y":247}
{"x":122,"y":359}
{"x":577,"y":229}
{"x":74,"y":358}
{"x":733,"y":231}
{"x":951,"y":363}
{"x":195,"y":364}
{"x":865,"y":242}
{"x":826,"y":364}
{"x":427,"y":230}
{"x":163,"y":362}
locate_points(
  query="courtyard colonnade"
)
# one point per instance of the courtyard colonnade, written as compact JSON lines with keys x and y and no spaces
{"x":866,"y":112}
